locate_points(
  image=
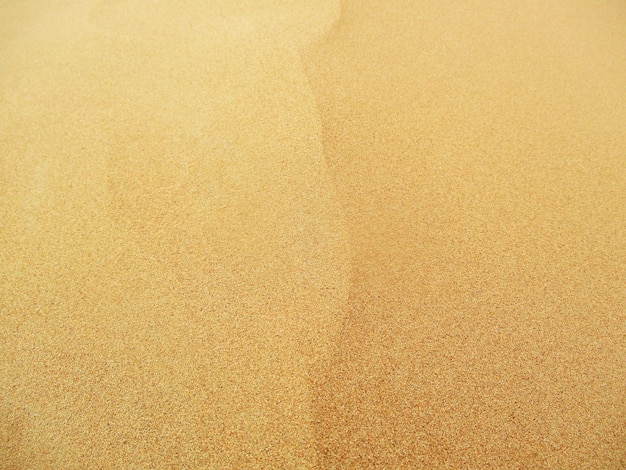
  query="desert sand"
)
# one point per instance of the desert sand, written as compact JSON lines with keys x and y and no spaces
{"x":323,"y":234}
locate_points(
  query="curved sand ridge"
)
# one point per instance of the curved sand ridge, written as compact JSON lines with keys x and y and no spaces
{"x":412,"y":256}
{"x":174,"y":259}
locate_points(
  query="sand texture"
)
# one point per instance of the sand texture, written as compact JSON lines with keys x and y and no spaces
{"x":312,"y":234}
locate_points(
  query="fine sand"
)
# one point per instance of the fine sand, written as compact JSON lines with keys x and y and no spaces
{"x":285,"y":234}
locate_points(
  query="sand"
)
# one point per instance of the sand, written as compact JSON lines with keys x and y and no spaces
{"x":283,"y":234}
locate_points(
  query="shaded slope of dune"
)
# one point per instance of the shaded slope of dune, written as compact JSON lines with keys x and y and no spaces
{"x":480,"y":156}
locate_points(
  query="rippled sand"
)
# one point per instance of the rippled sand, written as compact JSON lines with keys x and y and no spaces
{"x":358,"y":234}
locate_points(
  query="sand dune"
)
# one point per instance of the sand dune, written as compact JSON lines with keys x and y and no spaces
{"x":334,"y":235}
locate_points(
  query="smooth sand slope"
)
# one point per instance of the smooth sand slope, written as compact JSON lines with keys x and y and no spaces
{"x":480,"y":156}
{"x":173,"y":252}
{"x":359,"y":234}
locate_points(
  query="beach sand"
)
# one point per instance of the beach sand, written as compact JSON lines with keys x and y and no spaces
{"x":284,"y":234}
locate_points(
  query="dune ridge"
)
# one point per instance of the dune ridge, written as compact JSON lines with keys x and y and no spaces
{"x":269,"y":234}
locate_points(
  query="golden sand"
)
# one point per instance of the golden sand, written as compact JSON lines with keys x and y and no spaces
{"x":286,"y":234}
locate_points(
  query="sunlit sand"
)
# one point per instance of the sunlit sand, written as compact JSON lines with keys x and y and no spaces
{"x":358,"y":234}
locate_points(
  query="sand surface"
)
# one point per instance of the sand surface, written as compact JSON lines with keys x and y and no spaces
{"x":287,"y":234}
